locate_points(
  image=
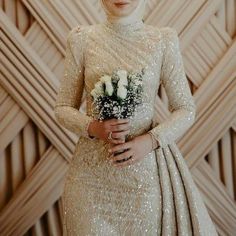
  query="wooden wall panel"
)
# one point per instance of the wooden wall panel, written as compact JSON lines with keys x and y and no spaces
{"x":35,"y":151}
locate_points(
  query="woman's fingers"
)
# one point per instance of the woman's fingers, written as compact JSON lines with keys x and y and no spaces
{"x":122,"y":156}
{"x":116,"y":141}
{"x":120,"y":135}
{"x":120,"y":147}
{"x":130,"y":161}
{"x":119,"y":140}
{"x":118,"y":121}
{"x":120,"y":127}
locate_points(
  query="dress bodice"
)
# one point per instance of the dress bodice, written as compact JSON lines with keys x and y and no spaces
{"x":130,"y":47}
{"x":99,"y":49}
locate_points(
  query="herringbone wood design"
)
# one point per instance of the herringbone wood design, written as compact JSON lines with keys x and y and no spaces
{"x":35,"y":150}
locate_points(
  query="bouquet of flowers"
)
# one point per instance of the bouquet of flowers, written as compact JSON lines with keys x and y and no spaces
{"x":118,"y":95}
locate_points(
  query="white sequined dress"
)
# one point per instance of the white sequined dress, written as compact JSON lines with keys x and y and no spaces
{"x":157,"y":195}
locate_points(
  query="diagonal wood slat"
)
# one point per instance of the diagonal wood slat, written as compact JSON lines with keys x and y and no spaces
{"x":213,"y":124}
{"x":11,"y":123}
{"x":43,"y":186}
{"x":221,"y":206}
{"x":44,"y":116}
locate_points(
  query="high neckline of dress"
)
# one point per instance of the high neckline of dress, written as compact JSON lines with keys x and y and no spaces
{"x":124,"y":28}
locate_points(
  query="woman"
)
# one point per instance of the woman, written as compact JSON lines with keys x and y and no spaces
{"x":148,"y":189}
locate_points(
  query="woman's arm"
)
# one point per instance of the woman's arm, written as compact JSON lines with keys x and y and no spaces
{"x":70,"y":91}
{"x":181,"y":102}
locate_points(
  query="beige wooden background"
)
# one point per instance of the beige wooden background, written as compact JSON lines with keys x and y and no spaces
{"x":35,"y":150}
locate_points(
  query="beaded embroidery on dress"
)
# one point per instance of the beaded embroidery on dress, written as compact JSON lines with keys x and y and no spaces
{"x":156,"y":196}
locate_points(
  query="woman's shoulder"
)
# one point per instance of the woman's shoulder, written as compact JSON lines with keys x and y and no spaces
{"x":165,"y":31}
{"x":82,"y":32}
{"x":169,"y":33}
{"x":76,"y":31}
{"x":82,"y":29}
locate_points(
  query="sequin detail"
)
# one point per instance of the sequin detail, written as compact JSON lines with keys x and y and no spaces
{"x":71,"y":88}
{"x":181,"y":102}
{"x":156,"y":196}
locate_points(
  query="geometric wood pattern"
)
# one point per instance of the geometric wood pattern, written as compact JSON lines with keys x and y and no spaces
{"x":35,"y":150}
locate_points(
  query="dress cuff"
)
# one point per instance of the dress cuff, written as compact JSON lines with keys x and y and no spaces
{"x":86,"y":133}
{"x":155,"y":142}
{"x":161,"y":140}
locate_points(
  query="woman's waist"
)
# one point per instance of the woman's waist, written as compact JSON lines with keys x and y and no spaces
{"x":92,"y":158}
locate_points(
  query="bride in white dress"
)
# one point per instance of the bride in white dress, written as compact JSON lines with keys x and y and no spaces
{"x":153,"y":192}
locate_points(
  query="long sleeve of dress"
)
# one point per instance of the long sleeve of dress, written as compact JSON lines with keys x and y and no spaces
{"x":69,"y":95}
{"x":180,"y":99}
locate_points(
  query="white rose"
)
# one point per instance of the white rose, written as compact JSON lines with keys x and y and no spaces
{"x":93,"y":93}
{"x":105,"y":78}
{"x":122,"y":73}
{"x":108,"y":84}
{"x":122,"y":92}
{"x":123,"y":77}
{"x":99,"y":87}
{"x":122,"y":81}
{"x":109,"y":88}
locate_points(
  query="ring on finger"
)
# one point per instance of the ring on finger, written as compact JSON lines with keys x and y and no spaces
{"x":110,"y":135}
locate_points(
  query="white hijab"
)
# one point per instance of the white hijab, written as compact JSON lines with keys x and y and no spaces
{"x":136,"y":15}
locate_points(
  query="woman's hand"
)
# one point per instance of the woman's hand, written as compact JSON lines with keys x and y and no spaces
{"x":138,"y":148}
{"x":101,"y":129}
